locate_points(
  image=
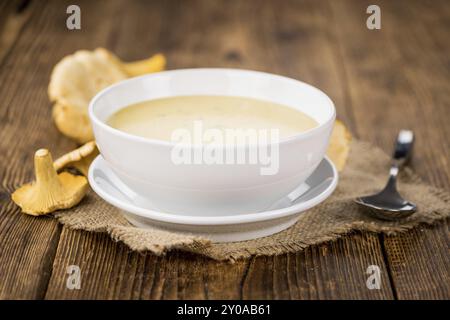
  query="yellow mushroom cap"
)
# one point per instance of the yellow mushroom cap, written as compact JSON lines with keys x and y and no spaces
{"x":78,"y":77}
{"x":153,"y":64}
{"x":50,"y":191}
{"x":339,"y":146}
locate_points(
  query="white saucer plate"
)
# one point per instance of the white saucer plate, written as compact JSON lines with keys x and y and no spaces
{"x":230,"y":228}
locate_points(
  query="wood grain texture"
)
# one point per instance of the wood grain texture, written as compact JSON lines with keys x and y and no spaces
{"x":329,"y":271}
{"x":27,"y":244}
{"x":13,"y":16}
{"x":419,"y":263}
{"x":325,"y":43}
{"x":401,"y":73}
{"x":111,"y":271}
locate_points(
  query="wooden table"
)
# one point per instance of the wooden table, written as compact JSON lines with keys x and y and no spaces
{"x":380,"y":80}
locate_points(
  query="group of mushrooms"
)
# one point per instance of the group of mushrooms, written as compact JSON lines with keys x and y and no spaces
{"x":74,"y":81}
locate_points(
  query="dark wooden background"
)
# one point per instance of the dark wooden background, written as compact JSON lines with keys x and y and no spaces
{"x":380,"y":81}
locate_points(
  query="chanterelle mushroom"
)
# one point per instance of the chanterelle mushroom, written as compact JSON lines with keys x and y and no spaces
{"x":80,"y":158}
{"x":50,"y":191}
{"x":78,"y":77}
{"x":339,"y":146}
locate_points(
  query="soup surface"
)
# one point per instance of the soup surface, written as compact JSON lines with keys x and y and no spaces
{"x":160,"y":118}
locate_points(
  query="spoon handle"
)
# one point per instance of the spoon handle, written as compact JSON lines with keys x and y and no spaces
{"x":402,"y":153}
{"x":403,"y":148}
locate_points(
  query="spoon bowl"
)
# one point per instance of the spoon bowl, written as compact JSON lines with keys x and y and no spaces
{"x":387,"y":206}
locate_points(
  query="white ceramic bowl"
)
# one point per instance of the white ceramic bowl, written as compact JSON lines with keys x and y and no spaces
{"x":146,"y":166}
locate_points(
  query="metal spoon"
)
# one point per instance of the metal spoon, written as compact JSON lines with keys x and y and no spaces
{"x":388,"y":204}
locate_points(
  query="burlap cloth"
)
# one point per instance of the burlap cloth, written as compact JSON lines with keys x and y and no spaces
{"x":365,"y":173}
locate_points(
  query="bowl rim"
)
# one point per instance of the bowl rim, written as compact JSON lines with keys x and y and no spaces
{"x":299,"y":136}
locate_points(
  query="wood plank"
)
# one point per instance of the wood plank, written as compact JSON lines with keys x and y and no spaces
{"x":423,"y":273}
{"x":110,"y":270}
{"x":225,"y":34}
{"x":430,"y":81}
{"x":334,"y":270}
{"x":27,"y":244}
{"x":399,"y":79}
{"x":13,"y":17}
{"x":419,"y":263}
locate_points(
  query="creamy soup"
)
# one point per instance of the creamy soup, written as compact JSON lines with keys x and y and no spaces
{"x":159,"y":118}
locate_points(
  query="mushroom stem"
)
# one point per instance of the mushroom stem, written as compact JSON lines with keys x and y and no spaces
{"x":44,"y":171}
